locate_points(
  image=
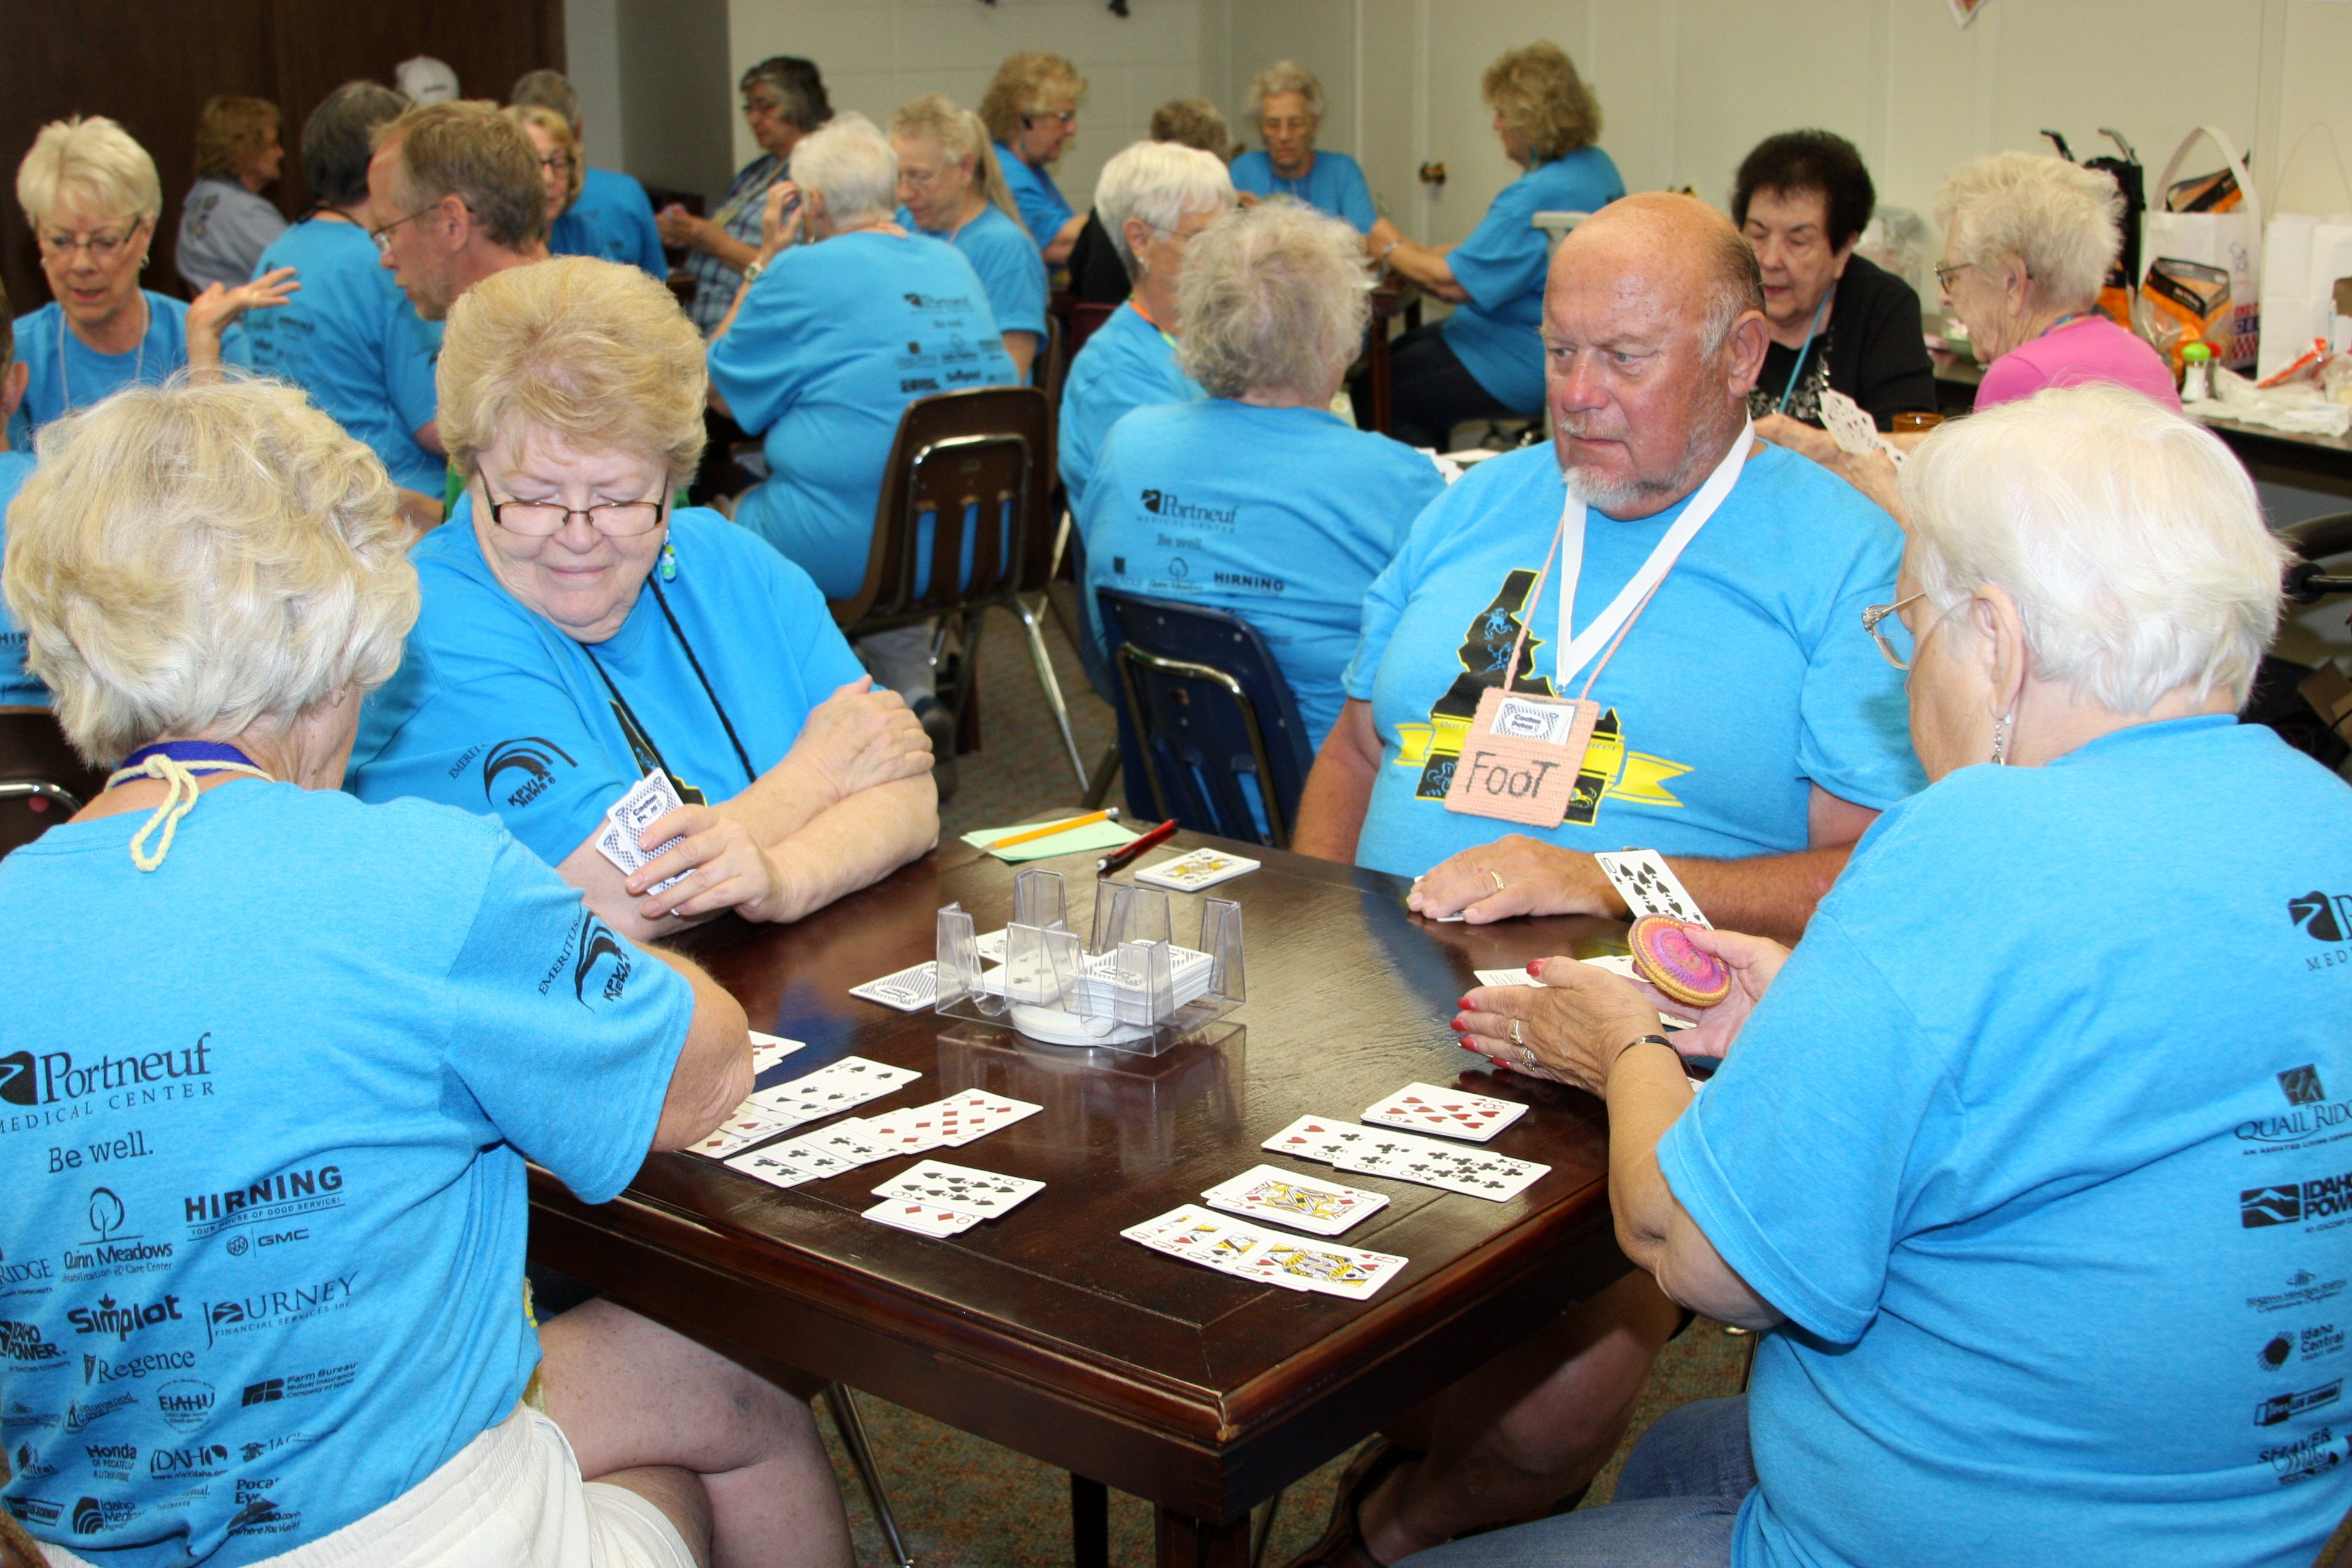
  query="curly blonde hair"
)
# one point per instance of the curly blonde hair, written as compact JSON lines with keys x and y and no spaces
{"x":1542,"y":101}
{"x":231,"y":132}
{"x":567,"y":142}
{"x":1023,"y":83}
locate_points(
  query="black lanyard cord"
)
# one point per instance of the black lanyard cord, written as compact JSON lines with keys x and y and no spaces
{"x":750,"y":774}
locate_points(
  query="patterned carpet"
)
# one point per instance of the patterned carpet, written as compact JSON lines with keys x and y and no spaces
{"x":965,"y":1503}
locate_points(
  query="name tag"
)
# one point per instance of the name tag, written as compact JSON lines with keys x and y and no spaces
{"x":1521,"y":757}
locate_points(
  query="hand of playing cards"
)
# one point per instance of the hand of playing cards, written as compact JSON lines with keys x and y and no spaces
{"x":1267,"y":1257}
{"x":649,"y":800}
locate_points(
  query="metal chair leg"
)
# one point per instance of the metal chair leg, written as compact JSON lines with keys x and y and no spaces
{"x":1105,"y":775}
{"x":1051,"y":687}
{"x":852,"y":1428}
{"x":1262,"y":1529}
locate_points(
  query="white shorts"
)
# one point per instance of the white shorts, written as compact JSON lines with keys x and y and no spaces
{"x":512,"y":1497}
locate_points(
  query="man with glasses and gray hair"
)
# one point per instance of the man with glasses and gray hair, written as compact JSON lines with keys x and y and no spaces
{"x":454,"y":195}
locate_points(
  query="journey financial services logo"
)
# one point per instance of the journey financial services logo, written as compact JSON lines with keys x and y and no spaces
{"x":532,"y":756}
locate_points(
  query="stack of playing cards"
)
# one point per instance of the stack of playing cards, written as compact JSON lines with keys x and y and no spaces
{"x":1200,"y":868}
{"x":851,"y":1081}
{"x":1267,"y":1257}
{"x":935,"y":1198}
{"x":1407,"y":1157}
{"x":1278,"y":1197}
{"x":911,"y":990}
{"x":948,"y":1124}
{"x":1456,"y":1113}
{"x":648,"y":800}
{"x":767,"y":1050}
{"x":1100,"y":993}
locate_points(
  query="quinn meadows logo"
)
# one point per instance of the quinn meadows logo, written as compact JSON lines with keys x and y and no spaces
{"x":532,"y":756}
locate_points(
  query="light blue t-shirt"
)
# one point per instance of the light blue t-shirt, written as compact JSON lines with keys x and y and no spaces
{"x":612,"y":218}
{"x":1281,"y":516}
{"x":832,"y":343}
{"x":1747,"y":679}
{"x":1127,"y":365}
{"x":1334,"y":183}
{"x":1496,"y":334}
{"x":2057,"y":1208}
{"x":85,"y":375}
{"x":1010,"y":266}
{"x":265,"y":1112}
{"x":496,"y":708}
{"x":1043,"y":207}
{"x":17,"y":687}
{"x":351,"y":339}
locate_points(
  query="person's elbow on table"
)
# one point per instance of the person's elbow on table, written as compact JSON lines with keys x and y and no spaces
{"x":713,"y":1072}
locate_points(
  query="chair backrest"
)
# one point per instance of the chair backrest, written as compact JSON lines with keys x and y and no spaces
{"x":977,"y":466}
{"x":1086,"y":318}
{"x":42,"y":781}
{"x":1208,"y":728}
{"x":2338,"y":1552}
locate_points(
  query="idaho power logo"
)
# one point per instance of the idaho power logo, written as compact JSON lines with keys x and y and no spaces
{"x":2323,"y":1203}
{"x":533,"y":757}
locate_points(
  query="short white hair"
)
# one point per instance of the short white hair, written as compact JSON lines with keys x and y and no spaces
{"x":1274,"y":298}
{"x":851,"y":164}
{"x":1159,"y":181}
{"x":87,"y":160}
{"x":189,"y":560}
{"x":2064,"y":222}
{"x":2130,"y":539}
{"x":1281,"y":77}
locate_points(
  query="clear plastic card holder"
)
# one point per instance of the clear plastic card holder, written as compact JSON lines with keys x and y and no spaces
{"x":1124,"y":912}
{"x":1042,"y":967}
{"x":958,"y":960}
{"x":1038,"y":899}
{"x":1146,"y":983}
{"x":1221,"y":939}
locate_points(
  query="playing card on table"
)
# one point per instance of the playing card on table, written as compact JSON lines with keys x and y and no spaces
{"x":911,"y":990}
{"x":1303,"y":1202}
{"x":1313,"y":1138}
{"x":1497,"y":1178}
{"x":923,"y":1219}
{"x":960,"y":1188}
{"x":767,"y":1050}
{"x":771,"y":1165}
{"x":992,"y":945}
{"x":1345,"y":1272}
{"x":1200,"y":868}
{"x":844,"y":1140}
{"x":626,"y":820}
{"x":835,"y":1087}
{"x":976,"y":1113}
{"x":914,"y":1129}
{"x":1648,"y":887}
{"x":1456,"y":1113}
{"x":1202,"y":1236}
{"x":748,"y":1125}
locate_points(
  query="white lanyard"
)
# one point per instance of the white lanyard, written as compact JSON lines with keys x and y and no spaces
{"x":1603,"y":631}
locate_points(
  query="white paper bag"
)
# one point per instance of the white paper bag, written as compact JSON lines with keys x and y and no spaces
{"x":2303,"y":253}
{"x":2232,"y":241}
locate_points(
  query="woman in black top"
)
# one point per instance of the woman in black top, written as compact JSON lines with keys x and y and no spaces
{"x":1837,"y":320}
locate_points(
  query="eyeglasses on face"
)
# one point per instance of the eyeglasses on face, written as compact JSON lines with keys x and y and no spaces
{"x":1948,"y":271}
{"x":383,"y":235}
{"x":104,"y":245}
{"x":1873,"y":614}
{"x":614,"y":520}
{"x":1067,"y":116}
{"x":558,"y":161}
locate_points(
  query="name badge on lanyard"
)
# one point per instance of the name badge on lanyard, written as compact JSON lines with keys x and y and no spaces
{"x":1521,"y":759}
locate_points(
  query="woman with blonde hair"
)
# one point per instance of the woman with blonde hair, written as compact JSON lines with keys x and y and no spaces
{"x":951,"y":187}
{"x":1287,"y":101}
{"x":1485,"y":361}
{"x":560,"y":167}
{"x":91,"y":195}
{"x":1032,"y":111}
{"x":225,"y":224}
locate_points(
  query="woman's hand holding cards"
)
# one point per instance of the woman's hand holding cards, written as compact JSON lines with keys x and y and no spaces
{"x":1515,"y":874}
{"x":1752,"y":961}
{"x":1568,"y":1029}
{"x":724,"y":867}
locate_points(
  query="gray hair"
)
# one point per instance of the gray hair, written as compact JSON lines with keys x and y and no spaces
{"x":851,"y":164}
{"x":87,"y":158}
{"x":549,"y":89}
{"x":190,"y":560}
{"x":2130,"y":539}
{"x":1735,"y":287}
{"x":1159,"y":181}
{"x":2063,"y":222}
{"x":336,"y":140}
{"x":1281,"y":77}
{"x":1273,"y":298}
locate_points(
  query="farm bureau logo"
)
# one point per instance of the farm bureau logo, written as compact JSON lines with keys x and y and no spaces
{"x":146,"y":1078}
{"x":2307,"y":1204}
{"x":597,"y":942}
{"x":532,"y":755}
{"x":1163,"y":503}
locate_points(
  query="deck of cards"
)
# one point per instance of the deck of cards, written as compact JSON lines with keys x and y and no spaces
{"x":1453,"y":1112}
{"x":1269,"y":1256}
{"x":648,"y":800}
{"x":1277,"y":1197}
{"x":1407,"y":1157}
{"x":936,"y":1198}
{"x":836,"y":1087}
{"x":1200,"y":868}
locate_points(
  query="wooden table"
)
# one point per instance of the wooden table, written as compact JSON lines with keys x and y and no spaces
{"x":1045,"y":1332}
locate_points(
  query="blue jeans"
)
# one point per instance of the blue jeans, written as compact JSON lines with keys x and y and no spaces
{"x":1677,"y":1502}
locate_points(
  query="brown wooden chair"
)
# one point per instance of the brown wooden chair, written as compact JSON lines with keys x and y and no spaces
{"x":42,"y":781}
{"x":2338,"y":1552}
{"x":979,"y":464}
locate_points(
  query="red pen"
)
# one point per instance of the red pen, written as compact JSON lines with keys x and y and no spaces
{"x":1127,"y":857}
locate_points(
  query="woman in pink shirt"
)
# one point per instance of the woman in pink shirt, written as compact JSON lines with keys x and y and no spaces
{"x":2027,"y":242}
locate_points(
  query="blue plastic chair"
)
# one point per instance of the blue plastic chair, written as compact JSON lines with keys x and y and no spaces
{"x":1208,"y":730}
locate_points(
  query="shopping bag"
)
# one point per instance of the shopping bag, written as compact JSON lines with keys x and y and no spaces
{"x":2303,"y":253}
{"x":2226,"y":236}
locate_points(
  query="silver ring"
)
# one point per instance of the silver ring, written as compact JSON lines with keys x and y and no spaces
{"x":1498,"y":878}
{"x":1514,"y":1032}
{"x":1526,"y":1058}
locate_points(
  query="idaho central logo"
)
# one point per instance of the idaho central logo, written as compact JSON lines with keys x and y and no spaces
{"x":533,"y":757}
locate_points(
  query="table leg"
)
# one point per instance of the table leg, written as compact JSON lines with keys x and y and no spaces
{"x":1188,"y":1544}
{"x":1089,"y":1523}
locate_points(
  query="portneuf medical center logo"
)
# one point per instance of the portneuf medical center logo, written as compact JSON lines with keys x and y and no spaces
{"x":52,"y":1082}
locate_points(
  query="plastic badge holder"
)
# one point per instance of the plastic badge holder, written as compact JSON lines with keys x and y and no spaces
{"x":1119,"y":992}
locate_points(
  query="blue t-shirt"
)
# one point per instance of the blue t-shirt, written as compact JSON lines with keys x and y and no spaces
{"x":832,"y":343}
{"x":1334,"y":183}
{"x":350,"y":338}
{"x":2056,"y":1209}
{"x":1127,"y":365}
{"x":86,"y":375}
{"x":1010,"y":266}
{"x":1288,"y":538}
{"x":1747,"y":679}
{"x":265,"y":1112}
{"x":1496,"y":332}
{"x":612,"y":218}
{"x":497,"y":709}
{"x":17,"y":687}
{"x":1042,"y":205}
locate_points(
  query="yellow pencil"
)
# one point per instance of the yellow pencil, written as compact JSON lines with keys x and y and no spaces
{"x":1049,"y":830}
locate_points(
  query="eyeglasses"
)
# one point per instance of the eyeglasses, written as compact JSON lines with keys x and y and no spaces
{"x":614,"y":520}
{"x":1945,"y":272}
{"x":919,"y":182}
{"x":1877,"y":613}
{"x":383,"y":244}
{"x":560,"y":162}
{"x":1067,"y":116}
{"x":103,"y":245}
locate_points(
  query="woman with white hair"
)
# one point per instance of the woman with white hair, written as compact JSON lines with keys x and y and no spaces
{"x":91,"y":194}
{"x":342,"y":1029}
{"x":1275,"y":303}
{"x":1287,"y":101}
{"x":2027,"y":243}
{"x":951,"y":187}
{"x":1153,"y":198}
{"x":2023,"y":1194}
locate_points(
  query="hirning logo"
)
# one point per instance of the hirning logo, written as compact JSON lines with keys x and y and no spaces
{"x":598,"y":940}
{"x":2322,"y":917}
{"x":535,"y":755}
{"x":2302,"y":1086}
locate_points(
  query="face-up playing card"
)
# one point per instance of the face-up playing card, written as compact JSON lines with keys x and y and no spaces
{"x":960,"y":1188}
{"x":1345,"y":1272}
{"x":750,"y":1124}
{"x":1201,"y":1237}
{"x":992,"y":945}
{"x":646,"y":801}
{"x":846,"y":1140}
{"x":976,"y":1113}
{"x":1456,"y":1113}
{"x":834,"y":1087}
{"x":1282,"y":1197}
{"x":1200,"y":868}
{"x":914,"y":1130}
{"x":923,"y":1219}
{"x":911,"y":990}
{"x":767,"y":1050}
{"x":1312,"y":1138}
{"x":1480,"y":1175}
{"x":769,"y":1165}
{"x":1648,"y":887}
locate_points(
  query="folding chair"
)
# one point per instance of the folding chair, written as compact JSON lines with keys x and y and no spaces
{"x":42,"y":781}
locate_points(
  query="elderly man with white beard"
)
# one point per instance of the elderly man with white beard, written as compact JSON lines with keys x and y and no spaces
{"x":1679,"y":610}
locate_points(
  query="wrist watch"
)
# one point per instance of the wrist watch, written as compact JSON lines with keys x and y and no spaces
{"x":752,"y":273}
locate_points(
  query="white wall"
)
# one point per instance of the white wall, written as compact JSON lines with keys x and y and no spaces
{"x":593,"y":61}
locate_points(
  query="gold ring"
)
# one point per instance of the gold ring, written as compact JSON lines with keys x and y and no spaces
{"x":1514,"y":1032}
{"x":1498,"y":878}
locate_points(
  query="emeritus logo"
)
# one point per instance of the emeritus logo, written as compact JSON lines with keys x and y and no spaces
{"x":532,"y":756}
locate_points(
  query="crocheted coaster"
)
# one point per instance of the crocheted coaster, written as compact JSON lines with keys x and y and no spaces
{"x":1664,"y":956}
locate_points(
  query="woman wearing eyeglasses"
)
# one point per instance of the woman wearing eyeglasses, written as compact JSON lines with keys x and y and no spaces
{"x":1032,"y":110}
{"x":952,"y":187}
{"x":93,"y":197}
{"x":561,"y":169}
{"x":580,"y":631}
